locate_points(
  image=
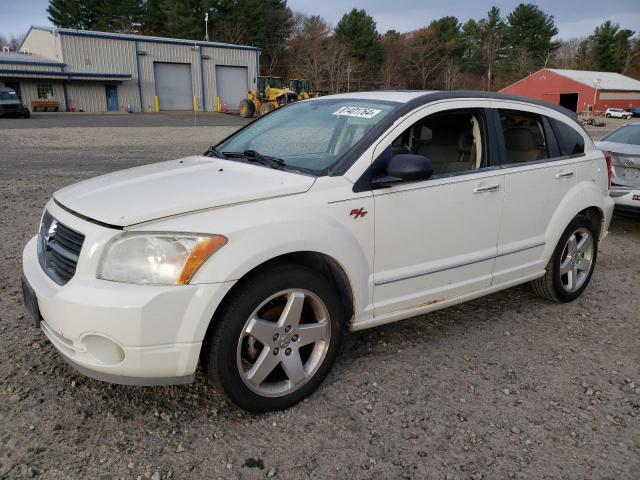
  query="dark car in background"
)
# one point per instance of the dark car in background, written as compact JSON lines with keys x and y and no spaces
{"x":11,"y":105}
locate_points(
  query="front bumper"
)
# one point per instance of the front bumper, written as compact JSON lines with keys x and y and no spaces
{"x":122,"y":333}
{"x":627,"y":199}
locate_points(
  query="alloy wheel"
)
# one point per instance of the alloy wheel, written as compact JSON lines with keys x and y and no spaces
{"x":283,"y":343}
{"x":576,"y":260}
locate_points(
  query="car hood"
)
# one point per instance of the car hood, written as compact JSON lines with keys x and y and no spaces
{"x":615,"y":147}
{"x":163,"y":189}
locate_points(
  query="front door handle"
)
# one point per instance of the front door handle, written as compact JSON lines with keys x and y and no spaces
{"x":486,"y":188}
{"x":560,"y":175}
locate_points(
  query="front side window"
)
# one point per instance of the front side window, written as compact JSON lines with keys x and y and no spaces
{"x":451,"y":140}
{"x":309,"y":136}
{"x":524,"y":136}
{"x":628,"y":134}
{"x":45,"y":91}
{"x":569,"y":140}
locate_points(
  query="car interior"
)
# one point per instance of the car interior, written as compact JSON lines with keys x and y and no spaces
{"x":451,"y":140}
{"x":523,"y":137}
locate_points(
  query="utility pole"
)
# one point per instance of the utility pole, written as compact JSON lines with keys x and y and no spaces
{"x":596,"y":82}
{"x":348,"y":76}
{"x":206,"y":26}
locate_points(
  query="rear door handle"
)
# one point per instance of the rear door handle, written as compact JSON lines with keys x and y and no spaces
{"x":487,"y":188}
{"x":560,"y":175}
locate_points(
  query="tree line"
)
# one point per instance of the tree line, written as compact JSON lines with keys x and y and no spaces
{"x":487,"y":53}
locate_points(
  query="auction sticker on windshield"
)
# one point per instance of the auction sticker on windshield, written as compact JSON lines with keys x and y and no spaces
{"x":360,"y":112}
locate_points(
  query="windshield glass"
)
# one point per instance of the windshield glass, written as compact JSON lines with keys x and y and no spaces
{"x":8,"y":96}
{"x":311,"y":135}
{"x":627,"y":134}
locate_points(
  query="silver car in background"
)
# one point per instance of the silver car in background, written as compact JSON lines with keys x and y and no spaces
{"x":623,"y":147}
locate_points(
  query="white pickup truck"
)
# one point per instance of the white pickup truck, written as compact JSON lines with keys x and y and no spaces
{"x":329,"y":215}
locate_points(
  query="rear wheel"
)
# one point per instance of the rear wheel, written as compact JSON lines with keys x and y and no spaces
{"x":266,"y":108}
{"x":569,"y":271}
{"x":247,"y":108}
{"x":26,"y":114}
{"x":275,"y":339}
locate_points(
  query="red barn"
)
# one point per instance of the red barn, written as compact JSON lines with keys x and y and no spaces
{"x":577,"y":90}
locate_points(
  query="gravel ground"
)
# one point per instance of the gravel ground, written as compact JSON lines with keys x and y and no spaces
{"x":507,"y":386}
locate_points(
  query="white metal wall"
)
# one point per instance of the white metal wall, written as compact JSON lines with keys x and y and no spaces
{"x":100,"y":55}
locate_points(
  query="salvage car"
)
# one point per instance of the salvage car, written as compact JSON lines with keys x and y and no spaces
{"x":328,"y":215}
{"x":622,"y":146}
{"x":11,"y":105}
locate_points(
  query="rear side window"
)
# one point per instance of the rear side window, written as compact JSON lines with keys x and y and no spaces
{"x":524,"y":136}
{"x":569,"y":139}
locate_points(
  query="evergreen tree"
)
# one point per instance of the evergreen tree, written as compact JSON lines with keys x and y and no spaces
{"x":78,"y":14}
{"x":611,"y":47}
{"x":357,"y":30}
{"x":529,"y":38}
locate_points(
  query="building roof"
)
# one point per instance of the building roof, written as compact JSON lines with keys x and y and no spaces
{"x":139,"y":38}
{"x":21,"y":58}
{"x":605,"y":80}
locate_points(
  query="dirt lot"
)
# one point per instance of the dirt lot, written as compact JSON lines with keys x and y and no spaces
{"x":508,"y":386}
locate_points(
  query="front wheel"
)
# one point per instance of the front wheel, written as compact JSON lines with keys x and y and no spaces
{"x":571,"y":266}
{"x":275,"y":339}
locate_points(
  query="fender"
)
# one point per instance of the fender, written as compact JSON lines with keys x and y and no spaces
{"x":260,"y":231}
{"x":583,"y":195}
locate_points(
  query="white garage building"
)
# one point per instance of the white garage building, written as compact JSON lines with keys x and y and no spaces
{"x":80,"y":70}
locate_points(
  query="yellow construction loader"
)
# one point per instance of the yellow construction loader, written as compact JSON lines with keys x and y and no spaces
{"x":271,"y":94}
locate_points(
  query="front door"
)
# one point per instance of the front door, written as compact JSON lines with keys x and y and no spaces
{"x":436,"y":239}
{"x":112,"y":98}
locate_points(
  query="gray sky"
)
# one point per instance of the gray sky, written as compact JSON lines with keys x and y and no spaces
{"x":574,"y":18}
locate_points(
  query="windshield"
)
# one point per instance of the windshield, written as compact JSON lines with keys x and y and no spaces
{"x":312,"y":135}
{"x":8,"y":95}
{"x":628,"y":134}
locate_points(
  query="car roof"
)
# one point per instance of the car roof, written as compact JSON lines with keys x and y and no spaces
{"x":413,"y":98}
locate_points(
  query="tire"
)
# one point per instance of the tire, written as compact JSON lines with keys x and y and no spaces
{"x":27,"y":114}
{"x":559,"y":287}
{"x":266,"y":108}
{"x":246,"y":108}
{"x":230,"y":347}
{"x":608,"y":115}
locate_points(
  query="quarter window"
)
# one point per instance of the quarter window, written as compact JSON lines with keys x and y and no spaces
{"x":524,"y":136}
{"x":451,"y":140}
{"x":569,"y":140}
{"x":45,"y":91}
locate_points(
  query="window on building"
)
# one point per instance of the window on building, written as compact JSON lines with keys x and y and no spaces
{"x":45,"y":91}
{"x":523,"y":136}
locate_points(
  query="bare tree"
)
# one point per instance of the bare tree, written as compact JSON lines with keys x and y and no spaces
{"x":566,"y":54}
{"x":335,"y":65}
{"x":13,"y":42}
{"x":308,"y":50}
{"x":427,"y":54}
{"x":392,"y":73}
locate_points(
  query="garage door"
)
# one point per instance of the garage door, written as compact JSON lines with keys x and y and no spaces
{"x":232,"y":85}
{"x":173,"y":85}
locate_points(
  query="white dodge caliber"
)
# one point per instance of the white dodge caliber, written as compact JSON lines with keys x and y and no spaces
{"x":328,"y":215}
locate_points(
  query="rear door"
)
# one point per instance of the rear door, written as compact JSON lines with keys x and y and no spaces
{"x":537,"y":177}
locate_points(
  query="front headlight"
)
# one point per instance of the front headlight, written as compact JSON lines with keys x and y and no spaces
{"x":156,"y":258}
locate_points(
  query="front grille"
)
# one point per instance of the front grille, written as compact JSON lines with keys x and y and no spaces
{"x":58,"y":249}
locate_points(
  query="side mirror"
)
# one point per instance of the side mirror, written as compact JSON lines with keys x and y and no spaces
{"x":405,"y":167}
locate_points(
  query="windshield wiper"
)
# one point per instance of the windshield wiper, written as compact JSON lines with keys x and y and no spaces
{"x":253,"y":156}
{"x":212,"y":151}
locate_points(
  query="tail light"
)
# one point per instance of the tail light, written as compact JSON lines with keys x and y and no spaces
{"x":608,"y":159}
